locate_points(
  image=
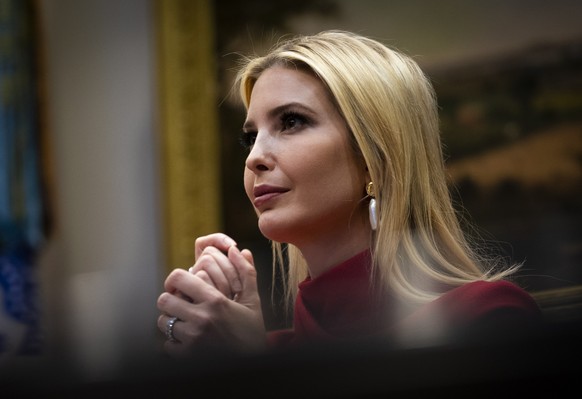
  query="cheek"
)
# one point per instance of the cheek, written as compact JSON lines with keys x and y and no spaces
{"x":249,"y":180}
{"x":334,"y":167}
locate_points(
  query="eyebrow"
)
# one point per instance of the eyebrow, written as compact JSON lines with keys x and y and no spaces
{"x":278,"y":110}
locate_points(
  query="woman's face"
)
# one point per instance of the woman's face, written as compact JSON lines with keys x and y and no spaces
{"x":301,"y":174}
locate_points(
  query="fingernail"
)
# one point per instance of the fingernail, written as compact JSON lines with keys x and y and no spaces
{"x":229,"y":242}
{"x":236,"y":284}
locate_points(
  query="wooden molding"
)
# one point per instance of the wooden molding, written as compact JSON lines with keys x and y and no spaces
{"x":189,"y":126}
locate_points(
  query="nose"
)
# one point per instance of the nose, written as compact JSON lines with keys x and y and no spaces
{"x":260,"y":157}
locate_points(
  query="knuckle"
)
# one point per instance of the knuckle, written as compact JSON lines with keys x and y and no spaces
{"x":200,"y":323}
{"x":175,"y":277}
{"x":206,"y":324}
{"x":189,"y":332}
{"x":205,"y":259}
{"x":163,"y":300}
{"x":212,"y":250}
{"x":216,"y":301}
{"x":203,"y":275}
{"x":251,"y":272}
{"x":171,"y":278}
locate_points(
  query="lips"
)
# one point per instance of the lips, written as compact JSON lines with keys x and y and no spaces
{"x":264,"y":193}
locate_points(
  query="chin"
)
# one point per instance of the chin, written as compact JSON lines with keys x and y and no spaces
{"x":272,"y":234}
{"x":273,"y":230}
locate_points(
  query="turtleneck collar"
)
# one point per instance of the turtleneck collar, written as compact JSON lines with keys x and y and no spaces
{"x":340,"y":303}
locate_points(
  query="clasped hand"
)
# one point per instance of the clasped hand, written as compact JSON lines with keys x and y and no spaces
{"x":216,"y":301}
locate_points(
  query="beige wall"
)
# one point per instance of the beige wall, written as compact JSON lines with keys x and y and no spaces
{"x":101,"y":270}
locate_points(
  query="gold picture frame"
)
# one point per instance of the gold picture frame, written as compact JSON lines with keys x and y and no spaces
{"x":188,"y":125}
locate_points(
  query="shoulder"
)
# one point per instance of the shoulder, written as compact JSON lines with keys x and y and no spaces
{"x":477,"y":310}
{"x":482,"y":297}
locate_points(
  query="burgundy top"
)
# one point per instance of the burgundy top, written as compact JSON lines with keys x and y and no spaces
{"x":339,"y":305}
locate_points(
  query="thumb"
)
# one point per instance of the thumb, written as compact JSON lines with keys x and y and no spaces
{"x":244,"y":264}
{"x":248,"y":256}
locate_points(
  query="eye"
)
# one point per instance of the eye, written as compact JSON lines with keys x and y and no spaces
{"x":292,"y":120}
{"x":247,"y":139}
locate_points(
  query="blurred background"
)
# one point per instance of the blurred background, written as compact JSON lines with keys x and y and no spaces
{"x":119,"y":146}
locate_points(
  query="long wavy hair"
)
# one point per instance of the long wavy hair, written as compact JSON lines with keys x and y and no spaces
{"x":419,"y":249}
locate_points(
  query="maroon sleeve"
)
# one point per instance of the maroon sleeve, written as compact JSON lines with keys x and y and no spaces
{"x":478,"y":310}
{"x":481,"y":299}
{"x":280,"y":339}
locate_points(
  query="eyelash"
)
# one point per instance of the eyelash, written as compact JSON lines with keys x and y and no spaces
{"x":291,"y":115}
{"x":247,"y":139}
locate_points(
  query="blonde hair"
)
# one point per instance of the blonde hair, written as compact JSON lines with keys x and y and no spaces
{"x":419,"y":249}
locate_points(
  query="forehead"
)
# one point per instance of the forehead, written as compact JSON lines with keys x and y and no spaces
{"x":278,"y":85}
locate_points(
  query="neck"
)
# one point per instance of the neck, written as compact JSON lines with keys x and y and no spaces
{"x":326,"y":253}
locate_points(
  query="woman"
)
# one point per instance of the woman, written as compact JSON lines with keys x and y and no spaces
{"x":345,"y":170}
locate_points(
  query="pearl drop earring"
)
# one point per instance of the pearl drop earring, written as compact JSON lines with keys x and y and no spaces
{"x":372,"y":206}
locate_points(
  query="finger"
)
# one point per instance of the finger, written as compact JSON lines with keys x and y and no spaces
{"x":181,"y":290}
{"x":181,"y":283}
{"x":177,"y":350}
{"x":213,"y":268}
{"x":162,"y":320}
{"x":218,"y":240}
{"x":179,"y":329}
{"x":220,"y":269}
{"x":170,"y":282}
{"x":205,"y":277}
{"x":180,"y":350}
{"x":248,"y":256}
{"x":162,"y":324}
{"x":190,"y":285}
{"x":247,"y":272}
{"x":171,"y":305}
{"x":168,"y":289}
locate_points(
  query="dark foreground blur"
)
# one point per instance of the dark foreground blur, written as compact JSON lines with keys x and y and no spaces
{"x":541,"y":362}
